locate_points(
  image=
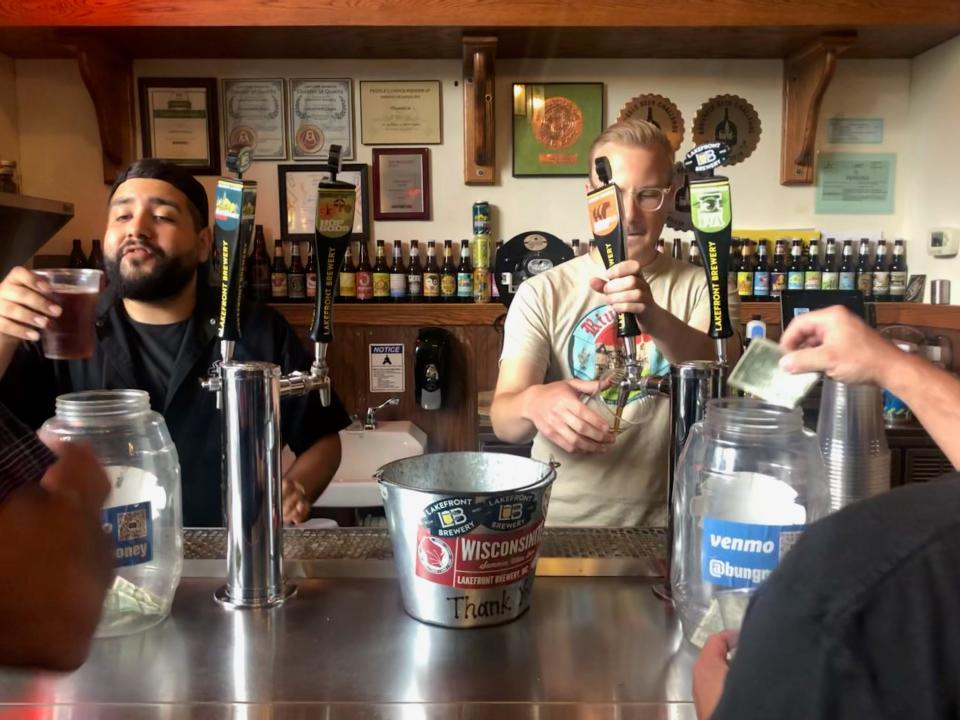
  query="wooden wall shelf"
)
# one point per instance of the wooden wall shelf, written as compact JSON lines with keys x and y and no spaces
{"x":944,"y":317}
{"x":399,"y":314}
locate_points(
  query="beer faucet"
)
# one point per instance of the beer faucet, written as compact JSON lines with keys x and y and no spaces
{"x":250,"y":392}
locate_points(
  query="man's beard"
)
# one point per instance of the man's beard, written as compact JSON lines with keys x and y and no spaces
{"x":169,"y":275}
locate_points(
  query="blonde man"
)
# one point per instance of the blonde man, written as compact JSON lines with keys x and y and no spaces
{"x":558,"y":323}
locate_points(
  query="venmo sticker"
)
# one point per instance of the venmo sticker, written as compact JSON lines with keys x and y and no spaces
{"x":131,"y":528}
{"x":742,"y":555}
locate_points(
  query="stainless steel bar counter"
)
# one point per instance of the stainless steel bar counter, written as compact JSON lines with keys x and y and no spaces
{"x":596,"y":644}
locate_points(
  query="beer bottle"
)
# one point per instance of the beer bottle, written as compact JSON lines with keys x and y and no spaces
{"x":735,"y":259}
{"x":364,"y":275}
{"x":864,"y":274}
{"x":398,"y":274}
{"x":694,"y":257}
{"x":898,"y":273}
{"x":278,"y":273}
{"x":778,"y":271}
{"x":745,"y":273}
{"x":848,"y":271}
{"x":448,"y":274}
{"x":795,"y":271}
{"x":881,"y":274}
{"x":77,"y":258}
{"x":347,"y":280}
{"x":591,"y":246}
{"x":661,"y":245}
{"x":831,"y":278}
{"x":311,"y":272}
{"x":95,"y":261}
{"x":812,"y":274}
{"x":431,"y":275}
{"x":464,"y":274}
{"x":258,"y":268}
{"x":297,"y":275}
{"x":677,"y":249}
{"x":761,"y":274}
{"x":381,"y":275}
{"x":415,"y":273}
{"x":575,"y":245}
{"x":480,"y":254}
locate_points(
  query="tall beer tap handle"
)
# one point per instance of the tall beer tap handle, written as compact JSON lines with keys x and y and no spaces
{"x":336,"y":205}
{"x":605,"y":207}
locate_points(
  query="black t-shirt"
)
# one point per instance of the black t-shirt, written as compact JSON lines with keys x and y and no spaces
{"x":155,"y":352}
{"x":862,"y":619}
{"x":32,"y":383}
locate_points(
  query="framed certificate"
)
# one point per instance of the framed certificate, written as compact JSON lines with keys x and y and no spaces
{"x":178,"y":122}
{"x":401,"y":184}
{"x":400,"y":112}
{"x":321,"y":115}
{"x":254,"y":115}
{"x":298,"y":198}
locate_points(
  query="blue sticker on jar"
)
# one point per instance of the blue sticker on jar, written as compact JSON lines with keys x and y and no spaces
{"x":131,"y":529}
{"x":742,"y":555}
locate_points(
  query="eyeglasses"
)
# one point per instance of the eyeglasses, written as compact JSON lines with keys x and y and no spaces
{"x":648,"y":199}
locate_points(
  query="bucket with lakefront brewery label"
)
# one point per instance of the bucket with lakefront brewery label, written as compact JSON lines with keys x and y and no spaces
{"x":466,"y":529}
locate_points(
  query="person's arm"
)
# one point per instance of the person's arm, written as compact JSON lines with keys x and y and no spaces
{"x":838,"y":343}
{"x":309,"y":476}
{"x":49,"y":621}
{"x":522,"y":404}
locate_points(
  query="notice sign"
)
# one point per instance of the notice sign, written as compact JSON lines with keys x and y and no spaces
{"x":855,"y":183}
{"x":854,"y":131}
{"x":386,"y":368}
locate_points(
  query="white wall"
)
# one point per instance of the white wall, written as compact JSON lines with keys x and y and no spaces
{"x":9,"y":132}
{"x":934,"y":151}
{"x":60,"y":146}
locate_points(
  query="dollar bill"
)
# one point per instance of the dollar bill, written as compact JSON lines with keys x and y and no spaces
{"x":758,"y":373}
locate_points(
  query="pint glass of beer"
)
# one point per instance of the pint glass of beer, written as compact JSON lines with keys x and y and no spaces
{"x":71,"y":336}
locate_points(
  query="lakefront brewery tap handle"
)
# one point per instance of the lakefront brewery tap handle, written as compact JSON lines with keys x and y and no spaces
{"x":336,"y":207}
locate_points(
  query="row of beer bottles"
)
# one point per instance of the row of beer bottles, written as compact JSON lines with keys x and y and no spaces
{"x":758,"y":278}
{"x":428,"y":280}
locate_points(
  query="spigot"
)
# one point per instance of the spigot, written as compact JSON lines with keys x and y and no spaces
{"x":371,"y":422}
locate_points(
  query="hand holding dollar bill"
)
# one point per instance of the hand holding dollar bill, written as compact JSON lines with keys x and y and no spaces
{"x":758,"y":373}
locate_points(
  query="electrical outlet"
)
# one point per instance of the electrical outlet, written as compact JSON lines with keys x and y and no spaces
{"x":944,"y":242}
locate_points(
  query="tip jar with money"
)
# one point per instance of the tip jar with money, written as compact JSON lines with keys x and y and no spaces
{"x":142,"y":514}
{"x":748,"y":482}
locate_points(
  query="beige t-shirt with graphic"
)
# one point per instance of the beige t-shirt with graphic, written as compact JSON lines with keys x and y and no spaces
{"x":559,"y":323}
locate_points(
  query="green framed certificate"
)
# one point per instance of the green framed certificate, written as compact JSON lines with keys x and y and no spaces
{"x":856,"y":183}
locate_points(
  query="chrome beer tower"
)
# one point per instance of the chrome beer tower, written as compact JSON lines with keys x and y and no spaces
{"x":249,"y":392}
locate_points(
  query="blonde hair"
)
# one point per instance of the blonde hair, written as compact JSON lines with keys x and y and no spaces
{"x":636,"y":134}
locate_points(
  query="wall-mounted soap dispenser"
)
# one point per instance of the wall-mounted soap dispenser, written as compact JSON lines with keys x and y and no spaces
{"x":432,"y":367}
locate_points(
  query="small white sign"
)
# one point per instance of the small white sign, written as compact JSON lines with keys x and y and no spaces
{"x":386,"y":368}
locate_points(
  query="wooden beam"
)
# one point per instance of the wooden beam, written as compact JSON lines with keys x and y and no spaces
{"x":109,"y":80}
{"x":479,"y":136}
{"x":806,"y":77}
{"x":487,"y":14}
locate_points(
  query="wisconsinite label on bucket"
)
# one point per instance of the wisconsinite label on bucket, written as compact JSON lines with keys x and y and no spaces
{"x":469,"y":543}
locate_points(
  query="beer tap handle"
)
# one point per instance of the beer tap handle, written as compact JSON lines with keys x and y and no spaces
{"x":605,"y":207}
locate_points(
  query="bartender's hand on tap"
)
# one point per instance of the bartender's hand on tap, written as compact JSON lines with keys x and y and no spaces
{"x":836,"y":342}
{"x":628,"y":292}
{"x":55,"y":564}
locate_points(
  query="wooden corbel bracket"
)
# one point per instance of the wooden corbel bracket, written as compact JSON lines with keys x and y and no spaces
{"x":109,"y":80}
{"x":479,"y":127}
{"x":806,"y":77}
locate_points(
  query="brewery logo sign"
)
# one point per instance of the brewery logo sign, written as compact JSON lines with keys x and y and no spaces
{"x":729,"y":119}
{"x":658,"y":110}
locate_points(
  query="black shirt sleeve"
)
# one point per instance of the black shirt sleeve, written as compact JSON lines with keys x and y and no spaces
{"x":23,"y":458}
{"x":30,"y":386}
{"x":303,"y":419}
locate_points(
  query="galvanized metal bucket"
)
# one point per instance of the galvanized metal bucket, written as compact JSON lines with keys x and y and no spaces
{"x":466,"y":529}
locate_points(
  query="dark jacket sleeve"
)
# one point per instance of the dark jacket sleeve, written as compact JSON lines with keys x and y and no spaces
{"x":31,"y":384}
{"x":303,"y":419}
